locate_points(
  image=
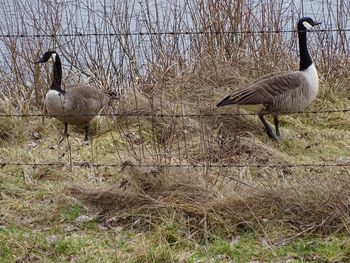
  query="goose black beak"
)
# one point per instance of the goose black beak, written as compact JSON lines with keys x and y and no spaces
{"x":40,"y":61}
{"x":317,"y":23}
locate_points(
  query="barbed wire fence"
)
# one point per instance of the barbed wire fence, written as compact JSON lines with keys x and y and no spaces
{"x":199,"y":165}
{"x":146,"y":33}
{"x":174,"y":115}
{"x":188,"y":165}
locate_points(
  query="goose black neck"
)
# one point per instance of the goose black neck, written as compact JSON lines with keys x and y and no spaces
{"x":57,"y":75}
{"x":305,"y":59}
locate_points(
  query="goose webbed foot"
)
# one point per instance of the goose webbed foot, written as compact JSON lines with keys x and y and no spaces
{"x":271,"y":134}
{"x":268,"y":129}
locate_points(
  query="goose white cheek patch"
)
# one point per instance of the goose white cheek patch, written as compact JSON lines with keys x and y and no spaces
{"x":307,"y":25}
{"x":53,"y":58}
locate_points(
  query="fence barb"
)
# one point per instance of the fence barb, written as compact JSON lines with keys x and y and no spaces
{"x":197,"y":165}
{"x":191,"y":32}
{"x":176,"y":115}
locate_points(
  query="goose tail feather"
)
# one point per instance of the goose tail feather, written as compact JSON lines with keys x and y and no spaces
{"x":224,"y":102}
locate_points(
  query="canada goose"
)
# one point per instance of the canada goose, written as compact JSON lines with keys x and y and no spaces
{"x":74,"y":104}
{"x":281,"y":91}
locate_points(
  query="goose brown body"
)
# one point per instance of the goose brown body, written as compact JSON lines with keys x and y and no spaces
{"x":78,"y":105}
{"x":278,"y":92}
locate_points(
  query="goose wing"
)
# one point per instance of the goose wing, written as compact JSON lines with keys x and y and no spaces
{"x":268,"y":75}
{"x":265,"y":89}
{"x":91,"y":96}
{"x":85,"y":99}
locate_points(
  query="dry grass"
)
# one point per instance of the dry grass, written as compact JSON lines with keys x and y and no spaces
{"x":290,"y":198}
{"x":277,"y":204}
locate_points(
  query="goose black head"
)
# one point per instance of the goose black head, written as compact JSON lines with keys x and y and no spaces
{"x":306,"y":23}
{"x":49,"y":55}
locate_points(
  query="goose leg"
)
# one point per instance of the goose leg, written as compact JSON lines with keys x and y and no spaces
{"x":65,"y":133}
{"x":86,"y":133}
{"x":275,"y":120}
{"x":268,"y":128}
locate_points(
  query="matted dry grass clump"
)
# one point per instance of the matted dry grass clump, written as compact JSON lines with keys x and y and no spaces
{"x":311,"y":204}
{"x":9,"y":127}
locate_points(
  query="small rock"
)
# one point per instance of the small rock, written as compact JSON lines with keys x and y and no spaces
{"x":343,"y":160}
{"x":235,"y":240}
{"x":36,"y":135}
{"x":31,"y":145}
{"x":95,"y":179}
{"x":136,"y":222}
{"x":287,"y":210}
{"x":117,"y":229}
{"x":70,"y":228}
{"x":51,"y":240}
{"x":83,"y":219}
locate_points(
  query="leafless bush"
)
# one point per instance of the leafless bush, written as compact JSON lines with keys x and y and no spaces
{"x":114,"y":61}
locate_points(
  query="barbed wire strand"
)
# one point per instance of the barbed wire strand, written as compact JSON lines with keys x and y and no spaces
{"x":194,"y":32}
{"x":198,"y":165}
{"x":146,"y":114}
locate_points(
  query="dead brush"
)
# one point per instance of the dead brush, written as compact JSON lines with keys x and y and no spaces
{"x":9,"y":127}
{"x":317,"y":206}
{"x":140,"y":191}
{"x":310,"y":204}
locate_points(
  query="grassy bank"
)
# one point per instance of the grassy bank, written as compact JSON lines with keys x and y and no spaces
{"x":155,"y":214}
{"x":158,"y":182}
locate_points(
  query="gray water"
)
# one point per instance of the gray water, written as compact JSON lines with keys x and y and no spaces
{"x":32,"y":12}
